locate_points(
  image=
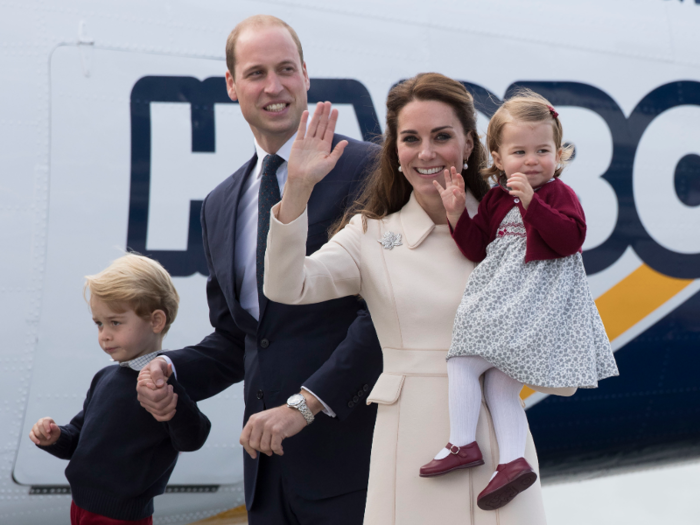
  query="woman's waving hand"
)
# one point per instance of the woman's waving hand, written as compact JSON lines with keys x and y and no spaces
{"x":311,"y":159}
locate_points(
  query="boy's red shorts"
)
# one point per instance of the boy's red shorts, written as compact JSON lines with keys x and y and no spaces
{"x":80,"y":516}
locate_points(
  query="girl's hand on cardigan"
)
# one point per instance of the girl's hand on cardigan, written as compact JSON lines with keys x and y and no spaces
{"x":454,"y":198}
{"x":45,"y":432}
{"x":520,"y":187}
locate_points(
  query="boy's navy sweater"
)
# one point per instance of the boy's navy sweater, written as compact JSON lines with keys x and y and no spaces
{"x":120,"y":456}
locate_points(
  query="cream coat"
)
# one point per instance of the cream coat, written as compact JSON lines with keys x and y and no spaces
{"x":412,"y":292}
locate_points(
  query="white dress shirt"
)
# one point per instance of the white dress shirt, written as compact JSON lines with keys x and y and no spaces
{"x":247,"y":239}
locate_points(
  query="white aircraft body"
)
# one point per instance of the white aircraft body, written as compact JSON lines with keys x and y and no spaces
{"x":115,"y":124}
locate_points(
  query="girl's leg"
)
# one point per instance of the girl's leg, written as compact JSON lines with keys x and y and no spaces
{"x":465,"y":398}
{"x":509,"y":420}
{"x":514,"y":474}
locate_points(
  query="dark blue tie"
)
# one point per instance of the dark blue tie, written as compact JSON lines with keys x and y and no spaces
{"x":268,"y":196}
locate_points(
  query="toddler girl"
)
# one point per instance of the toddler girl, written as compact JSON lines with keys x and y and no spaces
{"x":527,"y":315}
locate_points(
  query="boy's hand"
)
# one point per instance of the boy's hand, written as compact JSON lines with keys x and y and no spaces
{"x":154,"y":394}
{"x":520,"y":187}
{"x":454,"y":198}
{"x":45,"y":432}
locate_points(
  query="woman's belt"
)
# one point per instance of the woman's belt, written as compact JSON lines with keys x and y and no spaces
{"x":400,"y":363}
{"x":415,"y":362}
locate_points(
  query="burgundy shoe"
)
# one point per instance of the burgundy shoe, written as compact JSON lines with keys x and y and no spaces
{"x":460,"y":457}
{"x":511,"y":479}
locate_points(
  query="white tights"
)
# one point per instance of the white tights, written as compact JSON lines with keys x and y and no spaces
{"x":502,"y":397}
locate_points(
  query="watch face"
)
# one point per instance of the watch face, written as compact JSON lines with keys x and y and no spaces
{"x":295,"y":400}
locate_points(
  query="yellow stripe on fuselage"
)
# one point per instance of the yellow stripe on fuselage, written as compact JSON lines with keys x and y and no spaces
{"x":631,"y":300}
{"x":229,"y":517}
{"x":635,"y":297}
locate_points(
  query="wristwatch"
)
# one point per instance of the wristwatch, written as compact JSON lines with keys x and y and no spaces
{"x":297,"y":402}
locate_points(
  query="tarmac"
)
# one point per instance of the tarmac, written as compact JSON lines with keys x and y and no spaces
{"x":659,"y":495}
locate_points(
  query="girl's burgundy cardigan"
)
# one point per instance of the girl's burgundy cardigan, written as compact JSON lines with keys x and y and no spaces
{"x":554,"y":223}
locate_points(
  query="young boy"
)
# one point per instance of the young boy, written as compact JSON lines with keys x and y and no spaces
{"x":120,"y":456}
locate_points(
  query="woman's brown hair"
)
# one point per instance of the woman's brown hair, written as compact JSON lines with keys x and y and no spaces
{"x":387,"y":190}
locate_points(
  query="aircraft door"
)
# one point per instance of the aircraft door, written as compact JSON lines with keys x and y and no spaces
{"x":137,"y":142}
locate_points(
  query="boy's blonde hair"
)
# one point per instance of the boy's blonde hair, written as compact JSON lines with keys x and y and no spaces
{"x":524,"y":106}
{"x":139,"y":282}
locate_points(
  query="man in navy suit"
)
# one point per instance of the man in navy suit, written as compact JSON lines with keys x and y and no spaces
{"x":296,"y":361}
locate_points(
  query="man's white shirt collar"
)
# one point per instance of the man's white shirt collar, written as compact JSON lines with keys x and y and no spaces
{"x":283,"y":152}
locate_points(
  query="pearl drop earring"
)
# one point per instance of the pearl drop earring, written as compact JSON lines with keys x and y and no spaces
{"x":466,"y":165}
{"x":400,"y":169}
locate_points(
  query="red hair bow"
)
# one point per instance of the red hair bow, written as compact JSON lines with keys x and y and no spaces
{"x":554,"y":113}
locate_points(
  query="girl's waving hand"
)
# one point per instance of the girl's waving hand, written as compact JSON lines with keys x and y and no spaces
{"x":454,"y":198}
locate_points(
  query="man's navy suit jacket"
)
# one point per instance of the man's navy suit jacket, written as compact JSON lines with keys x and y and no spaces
{"x":331,"y":348}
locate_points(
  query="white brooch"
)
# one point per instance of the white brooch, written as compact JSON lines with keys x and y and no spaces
{"x":390,"y":240}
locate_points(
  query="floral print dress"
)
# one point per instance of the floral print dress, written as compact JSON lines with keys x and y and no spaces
{"x":535,"y":321}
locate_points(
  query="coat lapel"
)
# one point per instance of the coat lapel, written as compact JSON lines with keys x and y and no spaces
{"x":416,"y":224}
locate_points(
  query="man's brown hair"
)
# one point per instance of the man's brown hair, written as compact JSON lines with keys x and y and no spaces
{"x":256,"y":21}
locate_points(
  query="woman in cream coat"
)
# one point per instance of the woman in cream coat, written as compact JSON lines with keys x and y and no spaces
{"x":398,"y":254}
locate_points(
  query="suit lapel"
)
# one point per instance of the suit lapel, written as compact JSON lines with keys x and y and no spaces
{"x":230,"y":209}
{"x":262,"y":301}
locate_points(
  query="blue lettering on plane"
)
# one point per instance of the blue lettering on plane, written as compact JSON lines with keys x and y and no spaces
{"x":202,"y":95}
{"x":626,"y":133}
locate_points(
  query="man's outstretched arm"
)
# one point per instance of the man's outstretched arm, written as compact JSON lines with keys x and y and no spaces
{"x":204,"y":369}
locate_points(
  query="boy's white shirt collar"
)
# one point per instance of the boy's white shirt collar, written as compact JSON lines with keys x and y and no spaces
{"x":139,"y":362}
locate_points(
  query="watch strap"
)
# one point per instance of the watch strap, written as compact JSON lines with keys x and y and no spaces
{"x":301,"y":407}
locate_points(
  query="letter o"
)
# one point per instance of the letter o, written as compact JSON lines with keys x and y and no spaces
{"x":667,"y":220}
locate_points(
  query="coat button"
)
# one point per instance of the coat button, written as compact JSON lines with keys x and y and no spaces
{"x":351,"y":404}
{"x":264,"y":343}
{"x":516,"y":201}
{"x":355,"y":399}
{"x":360,"y":393}
{"x":365,"y":388}
{"x":261,"y":394}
